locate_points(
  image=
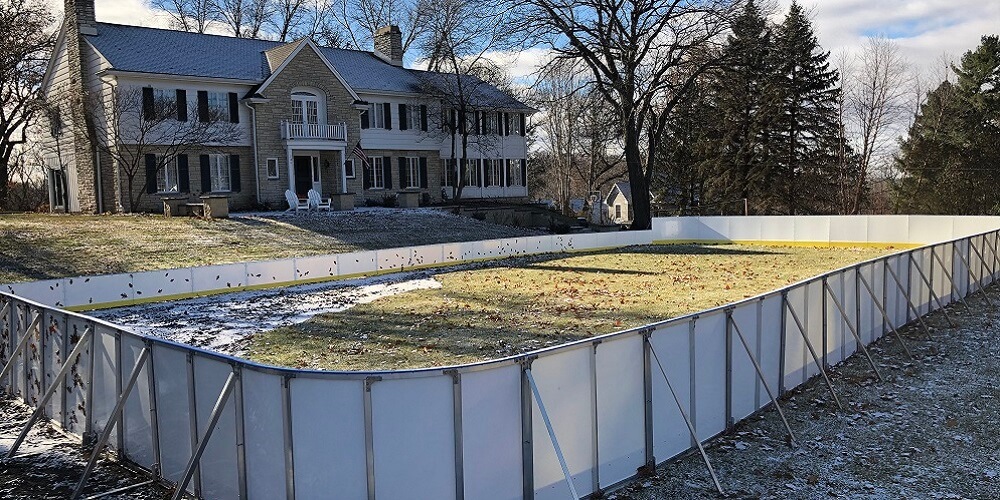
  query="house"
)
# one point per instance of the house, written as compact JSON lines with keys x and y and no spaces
{"x":346,"y":123}
{"x":619,"y":202}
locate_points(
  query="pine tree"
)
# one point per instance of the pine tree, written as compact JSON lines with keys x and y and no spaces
{"x":949,"y":159}
{"x":805,"y":142}
{"x":747,"y":105}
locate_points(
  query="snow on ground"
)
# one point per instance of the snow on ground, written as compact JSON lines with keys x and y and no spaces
{"x":222,"y":322}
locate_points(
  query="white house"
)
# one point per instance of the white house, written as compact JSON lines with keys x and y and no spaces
{"x":334,"y":120}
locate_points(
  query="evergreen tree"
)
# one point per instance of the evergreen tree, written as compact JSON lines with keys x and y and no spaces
{"x":805,"y":143}
{"x":747,"y":105}
{"x":949,"y":160}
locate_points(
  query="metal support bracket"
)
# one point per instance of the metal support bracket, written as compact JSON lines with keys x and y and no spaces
{"x":885,"y":315}
{"x":909,"y":303}
{"x":812,"y":351}
{"x":213,"y":420}
{"x":854,"y":331}
{"x":552,"y":434}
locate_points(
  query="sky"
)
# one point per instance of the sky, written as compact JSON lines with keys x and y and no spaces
{"x":924,"y":29}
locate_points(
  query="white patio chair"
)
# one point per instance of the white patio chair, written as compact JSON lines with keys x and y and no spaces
{"x":294,"y":203}
{"x":317,"y":202}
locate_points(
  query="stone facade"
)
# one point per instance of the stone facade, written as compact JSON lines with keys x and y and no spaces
{"x":305,"y":71}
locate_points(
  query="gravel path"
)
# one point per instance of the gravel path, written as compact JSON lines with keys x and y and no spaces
{"x":928,"y":431}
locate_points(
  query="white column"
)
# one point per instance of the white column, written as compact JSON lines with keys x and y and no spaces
{"x":343,"y":170}
{"x":291,"y":168}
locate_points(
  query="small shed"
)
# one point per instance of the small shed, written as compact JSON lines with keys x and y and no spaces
{"x":619,"y":202}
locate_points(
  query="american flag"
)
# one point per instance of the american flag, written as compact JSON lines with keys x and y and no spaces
{"x":360,"y":154}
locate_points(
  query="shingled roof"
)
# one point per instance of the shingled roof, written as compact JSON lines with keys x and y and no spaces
{"x":151,"y":50}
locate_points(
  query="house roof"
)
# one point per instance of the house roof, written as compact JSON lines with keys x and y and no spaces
{"x":625,"y":189}
{"x":180,"y":53}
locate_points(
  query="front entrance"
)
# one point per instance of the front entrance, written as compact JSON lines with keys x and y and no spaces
{"x":303,"y":175}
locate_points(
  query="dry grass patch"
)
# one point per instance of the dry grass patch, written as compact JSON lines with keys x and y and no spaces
{"x":510,"y":308}
{"x":36,"y":246}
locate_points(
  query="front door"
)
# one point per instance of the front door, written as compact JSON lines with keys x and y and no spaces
{"x":303,"y":175}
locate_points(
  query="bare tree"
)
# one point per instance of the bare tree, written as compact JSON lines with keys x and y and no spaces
{"x":459,"y":39}
{"x":359,"y":19}
{"x":188,"y":15}
{"x":877,"y":103}
{"x":26,"y":41}
{"x":132,"y":130}
{"x":288,"y":18}
{"x":27,"y":181}
{"x":644,"y":55}
{"x":244,"y":18}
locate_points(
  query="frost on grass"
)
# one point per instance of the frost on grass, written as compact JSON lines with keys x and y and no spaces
{"x":928,"y":431}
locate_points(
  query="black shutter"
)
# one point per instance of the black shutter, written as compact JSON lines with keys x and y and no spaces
{"x":183,"y":176}
{"x":524,"y":172}
{"x":150,"y":173}
{"x":500,"y":129}
{"x":234,"y":108}
{"x":387,"y":171}
{"x":364,"y":119}
{"x":206,"y":175}
{"x":234,"y":173}
{"x":402,"y":117}
{"x":366,"y":178}
{"x":403,"y":177}
{"x":523,"y":124}
{"x":423,"y":172}
{"x":148,"y":106}
{"x":506,"y":124}
{"x":478,"y":123}
{"x":203,"y":106}
{"x":462,"y":119}
{"x":423,"y":117}
{"x":462,"y":167}
{"x":182,"y":105}
{"x":387,"y":112}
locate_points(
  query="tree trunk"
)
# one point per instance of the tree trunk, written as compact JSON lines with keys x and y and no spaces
{"x":641,"y":219}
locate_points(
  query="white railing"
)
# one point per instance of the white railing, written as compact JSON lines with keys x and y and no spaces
{"x":322,"y":131}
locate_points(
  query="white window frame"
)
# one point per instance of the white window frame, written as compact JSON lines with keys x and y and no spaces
{"x":167,"y":176}
{"x":273,"y":163}
{"x":496,"y":173}
{"x":618,"y":211}
{"x":376,"y":115}
{"x":349,"y":170}
{"x":220,"y":174}
{"x":377,"y":176}
{"x":489,"y":124}
{"x":413,"y":169}
{"x":218,"y":105}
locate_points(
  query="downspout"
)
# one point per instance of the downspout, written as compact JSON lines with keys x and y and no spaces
{"x":256,"y":161}
{"x":100,"y":180}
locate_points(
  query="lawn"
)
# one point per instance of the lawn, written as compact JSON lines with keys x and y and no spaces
{"x":36,"y":246}
{"x":529,"y":303}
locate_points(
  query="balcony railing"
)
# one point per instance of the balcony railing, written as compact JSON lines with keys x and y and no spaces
{"x":321,"y":131}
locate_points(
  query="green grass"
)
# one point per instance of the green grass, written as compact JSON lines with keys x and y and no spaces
{"x":507,"y":309}
{"x":36,"y":246}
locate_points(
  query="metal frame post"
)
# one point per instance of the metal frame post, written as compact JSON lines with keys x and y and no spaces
{"x":286,"y":426}
{"x":241,"y":452}
{"x":909,"y":303}
{"x":783,"y":336}
{"x":688,"y":422}
{"x":826,"y":328}
{"x":728,"y":335}
{"x":87,"y":336}
{"x":18,"y":349}
{"x":763,"y":379}
{"x":885,"y":315}
{"x":213,"y":420}
{"x":812,"y":351}
{"x":552,"y":434}
{"x":854,"y":331}
{"x":527,"y":430}
{"x":595,"y":430}
{"x":95,"y":453}
{"x":456,"y":398}
{"x":647,"y":400}
{"x":370,"y":436}
{"x":154,"y":422}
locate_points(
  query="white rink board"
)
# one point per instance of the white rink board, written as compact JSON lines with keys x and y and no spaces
{"x":797,"y":356}
{"x":136,"y":415}
{"x":673,"y":349}
{"x":264,"y":434}
{"x":491,"y":433}
{"x":172,"y":409}
{"x":744,"y":377}
{"x":620,"y":408}
{"x":710,"y":374}
{"x":564,"y":382}
{"x":328,"y":427}
{"x":770,"y":346}
{"x":413,"y":427}
{"x":218,"y":462}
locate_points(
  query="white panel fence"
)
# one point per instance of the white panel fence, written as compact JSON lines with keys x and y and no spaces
{"x":569,"y":420}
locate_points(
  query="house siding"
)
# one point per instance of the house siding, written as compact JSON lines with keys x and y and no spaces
{"x":377,"y":195}
{"x":241,"y":200}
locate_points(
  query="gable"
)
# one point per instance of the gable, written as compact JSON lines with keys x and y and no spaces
{"x":308,"y":67}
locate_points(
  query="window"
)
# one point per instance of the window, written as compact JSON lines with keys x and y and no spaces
{"x":167,"y":180}
{"x":218,"y":106}
{"x":349,"y":169}
{"x":272,"y":168}
{"x":219,"y":171}
{"x":413,"y":117}
{"x":55,"y":121}
{"x":412,"y":173}
{"x":375,"y":173}
{"x":489,"y":122}
{"x":449,"y":174}
{"x":165,"y":102}
{"x":618,"y":211}
{"x":514,"y":173}
{"x":494,"y":172}
{"x":305,"y":108}
{"x":58,"y":188}
{"x":376,"y":114}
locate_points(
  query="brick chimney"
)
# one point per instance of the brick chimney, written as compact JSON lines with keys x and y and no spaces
{"x":388,"y":44}
{"x":81,"y":21}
